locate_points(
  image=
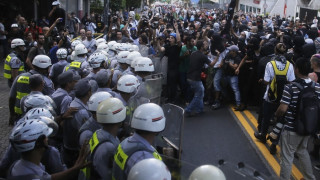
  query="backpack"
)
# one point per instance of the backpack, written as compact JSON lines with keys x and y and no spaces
{"x":308,"y":110}
{"x":277,"y":84}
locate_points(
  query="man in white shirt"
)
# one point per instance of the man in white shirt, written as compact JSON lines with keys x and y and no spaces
{"x":90,"y":43}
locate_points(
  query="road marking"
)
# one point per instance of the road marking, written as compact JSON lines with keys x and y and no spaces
{"x":263,"y":148}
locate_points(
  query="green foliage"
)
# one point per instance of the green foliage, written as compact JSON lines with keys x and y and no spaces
{"x":96,"y":7}
{"x":133,"y":3}
{"x":115,"y":5}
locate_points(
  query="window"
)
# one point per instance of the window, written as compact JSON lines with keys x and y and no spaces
{"x":242,"y":8}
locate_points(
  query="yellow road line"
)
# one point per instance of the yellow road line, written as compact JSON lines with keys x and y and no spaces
{"x":265,"y":152}
{"x":295,"y":171}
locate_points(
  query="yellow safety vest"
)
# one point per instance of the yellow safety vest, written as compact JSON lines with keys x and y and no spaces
{"x":121,"y":157}
{"x":93,"y":143}
{"x":22,"y":90}
{"x":7,"y":67}
{"x":75,"y":65}
{"x":277,"y":72}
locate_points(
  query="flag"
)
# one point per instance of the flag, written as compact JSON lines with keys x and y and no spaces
{"x":285,"y":8}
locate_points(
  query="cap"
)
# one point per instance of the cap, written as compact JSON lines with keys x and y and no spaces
{"x":102,"y":77}
{"x":82,"y":88}
{"x":233,"y":48}
{"x":14,"y":25}
{"x":174,"y":35}
{"x":55,"y":3}
{"x":65,"y":77}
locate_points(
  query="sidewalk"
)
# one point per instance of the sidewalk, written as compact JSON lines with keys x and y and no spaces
{"x":5,"y":129}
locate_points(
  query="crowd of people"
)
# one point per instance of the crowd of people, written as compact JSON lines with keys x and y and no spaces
{"x":70,"y":89}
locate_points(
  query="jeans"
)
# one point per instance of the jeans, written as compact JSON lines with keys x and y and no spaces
{"x":217,"y":79}
{"x":196,"y":103}
{"x":234,"y":83}
{"x":292,"y":143}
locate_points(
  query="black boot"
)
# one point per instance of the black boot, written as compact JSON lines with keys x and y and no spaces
{"x":260,"y":137}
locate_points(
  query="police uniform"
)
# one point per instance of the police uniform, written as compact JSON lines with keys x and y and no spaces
{"x":61,"y":97}
{"x":130,"y":151}
{"x":23,"y":167}
{"x":102,"y":147}
{"x":12,"y":62}
{"x":116,"y":75}
{"x":56,"y":70}
{"x":80,"y":66}
{"x":87,"y":129}
{"x":20,"y":88}
{"x":71,"y":127}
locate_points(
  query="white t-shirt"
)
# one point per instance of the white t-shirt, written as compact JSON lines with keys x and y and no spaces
{"x":269,"y":75}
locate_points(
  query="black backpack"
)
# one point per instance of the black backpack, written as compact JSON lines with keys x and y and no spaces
{"x":308,"y":110}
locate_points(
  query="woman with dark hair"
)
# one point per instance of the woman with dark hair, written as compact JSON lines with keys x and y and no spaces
{"x":34,"y":29}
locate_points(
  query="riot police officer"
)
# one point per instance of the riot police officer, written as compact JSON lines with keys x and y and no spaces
{"x":13,"y":65}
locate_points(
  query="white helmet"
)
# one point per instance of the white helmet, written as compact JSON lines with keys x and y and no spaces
{"x":103,"y":47}
{"x":207,"y":172}
{"x":96,"y":99}
{"x":62,"y":53}
{"x":80,"y":49}
{"x":17,"y":42}
{"x":128,"y":83}
{"x":37,"y":112}
{"x":144,"y":64}
{"x":111,"y":44}
{"x":135,"y":47}
{"x":111,"y":110}
{"x":42,"y":61}
{"x":24,"y":136}
{"x":134,"y":62}
{"x":149,"y":169}
{"x":122,"y":47}
{"x":148,"y":117}
{"x":122,"y":57}
{"x":75,"y":43}
{"x":115,"y":47}
{"x":96,"y":59}
{"x":37,"y":100}
{"x":131,"y":14}
{"x":100,"y":41}
{"x":132,"y":55}
{"x":49,"y":122}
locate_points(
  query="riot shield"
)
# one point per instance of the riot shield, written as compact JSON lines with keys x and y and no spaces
{"x":172,"y":135}
{"x":151,"y":88}
{"x":132,"y":104}
{"x":164,"y":69}
{"x":157,"y":64}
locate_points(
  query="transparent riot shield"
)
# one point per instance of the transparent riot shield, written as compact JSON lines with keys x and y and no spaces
{"x":132,"y":104}
{"x":157,"y":64}
{"x":169,"y":141}
{"x":164,"y":69}
{"x":151,"y":88}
